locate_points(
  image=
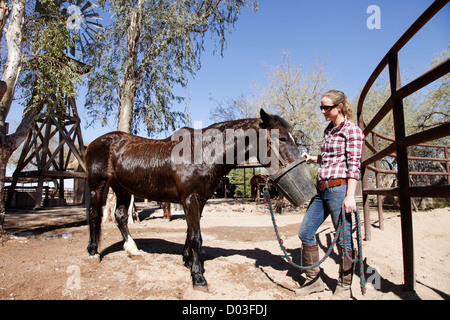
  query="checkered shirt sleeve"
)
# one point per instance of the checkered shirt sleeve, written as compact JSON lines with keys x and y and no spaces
{"x":341,"y":152}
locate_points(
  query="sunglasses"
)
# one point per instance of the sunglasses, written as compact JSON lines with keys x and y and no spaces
{"x":326,"y":108}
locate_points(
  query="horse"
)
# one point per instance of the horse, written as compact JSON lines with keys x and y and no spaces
{"x":164,"y":170}
{"x":262,"y":180}
{"x":255,"y":184}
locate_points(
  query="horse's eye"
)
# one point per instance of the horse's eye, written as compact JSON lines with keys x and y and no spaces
{"x":282,"y":139}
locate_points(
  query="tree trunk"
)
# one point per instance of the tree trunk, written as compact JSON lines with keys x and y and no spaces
{"x":130,"y":80}
{"x":128,"y":90}
{"x":4,"y":15}
{"x":14,"y":37}
{"x":8,"y":144}
{"x":2,"y":191}
{"x":126,"y":105}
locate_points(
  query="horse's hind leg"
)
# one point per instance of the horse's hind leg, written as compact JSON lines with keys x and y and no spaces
{"x":94,"y":218}
{"x":121,"y":214}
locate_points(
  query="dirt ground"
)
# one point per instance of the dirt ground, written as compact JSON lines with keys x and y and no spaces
{"x":43,"y":256}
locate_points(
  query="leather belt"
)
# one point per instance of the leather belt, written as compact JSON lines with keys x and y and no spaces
{"x":322,"y":185}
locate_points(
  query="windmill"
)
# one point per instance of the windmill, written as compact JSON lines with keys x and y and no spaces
{"x":63,"y":159}
{"x":82,"y":21}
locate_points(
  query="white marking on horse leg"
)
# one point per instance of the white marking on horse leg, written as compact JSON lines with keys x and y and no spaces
{"x":94,"y":256}
{"x":130,"y":247}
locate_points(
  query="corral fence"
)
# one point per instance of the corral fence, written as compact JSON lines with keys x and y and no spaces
{"x":398,"y":146}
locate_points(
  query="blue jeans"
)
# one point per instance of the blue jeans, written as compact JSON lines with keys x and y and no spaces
{"x":324,"y":203}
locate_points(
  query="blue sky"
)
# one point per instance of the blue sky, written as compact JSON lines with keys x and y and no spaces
{"x":311,"y":31}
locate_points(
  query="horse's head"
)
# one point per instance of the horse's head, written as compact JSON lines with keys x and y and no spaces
{"x":287,"y":148}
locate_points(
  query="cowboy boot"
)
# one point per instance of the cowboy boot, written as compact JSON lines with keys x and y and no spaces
{"x":313,"y":283}
{"x":343,"y":289}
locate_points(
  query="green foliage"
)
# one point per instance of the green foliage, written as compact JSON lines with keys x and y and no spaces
{"x":49,"y":76}
{"x":150,"y":47}
{"x":241,"y":179}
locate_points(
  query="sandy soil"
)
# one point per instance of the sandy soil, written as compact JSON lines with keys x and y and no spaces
{"x":43,"y":256}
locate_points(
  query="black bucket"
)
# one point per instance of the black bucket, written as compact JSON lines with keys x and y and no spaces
{"x":295,"y":182}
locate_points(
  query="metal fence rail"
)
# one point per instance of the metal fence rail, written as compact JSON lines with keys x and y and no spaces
{"x":399,"y":145}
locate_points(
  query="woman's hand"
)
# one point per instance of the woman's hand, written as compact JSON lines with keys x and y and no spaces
{"x":309,"y":158}
{"x":349,"y":202}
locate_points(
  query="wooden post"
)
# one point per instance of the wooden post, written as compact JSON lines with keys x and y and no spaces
{"x":364,"y":185}
{"x":447,"y":164}
{"x":377,"y":181}
{"x":403,"y":177}
{"x":53,"y":164}
{"x":41,"y":163}
{"x":61,"y":167}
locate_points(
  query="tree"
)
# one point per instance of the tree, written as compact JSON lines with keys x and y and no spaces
{"x":433,"y":110}
{"x":35,"y":66}
{"x":234,"y":108}
{"x":151,"y":46}
{"x":292,"y":92}
{"x":436,"y":105}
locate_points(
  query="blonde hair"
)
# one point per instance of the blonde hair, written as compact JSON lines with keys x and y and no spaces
{"x":340,"y":97}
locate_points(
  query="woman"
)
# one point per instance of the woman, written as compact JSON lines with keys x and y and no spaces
{"x":339,"y":171}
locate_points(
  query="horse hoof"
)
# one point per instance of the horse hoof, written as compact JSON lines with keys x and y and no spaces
{"x":201,"y":288}
{"x":199,"y":283}
{"x":95,"y":258}
{"x":130,"y":247}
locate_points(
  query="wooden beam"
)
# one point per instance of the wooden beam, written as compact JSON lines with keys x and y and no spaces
{"x":403,"y":177}
{"x":382,"y":191}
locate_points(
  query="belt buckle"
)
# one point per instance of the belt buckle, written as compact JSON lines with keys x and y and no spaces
{"x":325,"y":184}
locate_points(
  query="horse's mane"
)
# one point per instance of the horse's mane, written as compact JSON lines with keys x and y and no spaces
{"x":284,"y":123}
{"x":229,"y":123}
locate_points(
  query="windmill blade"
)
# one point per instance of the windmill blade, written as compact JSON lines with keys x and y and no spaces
{"x":85,"y":39}
{"x":89,"y":33}
{"x":93,"y":15}
{"x":95,"y":24}
{"x":81,"y":45}
{"x":88,"y":6}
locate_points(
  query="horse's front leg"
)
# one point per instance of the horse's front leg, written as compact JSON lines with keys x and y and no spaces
{"x":193,"y":246}
{"x":187,"y":255}
{"x":121,"y":214}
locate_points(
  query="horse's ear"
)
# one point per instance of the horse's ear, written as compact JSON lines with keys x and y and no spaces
{"x":266,"y":118}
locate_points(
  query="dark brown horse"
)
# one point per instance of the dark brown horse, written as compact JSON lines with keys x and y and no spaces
{"x":161,"y":170}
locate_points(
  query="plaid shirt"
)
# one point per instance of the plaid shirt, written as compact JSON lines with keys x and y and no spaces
{"x":341,"y":152}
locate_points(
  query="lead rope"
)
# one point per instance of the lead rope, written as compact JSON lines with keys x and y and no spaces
{"x":340,"y":229}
